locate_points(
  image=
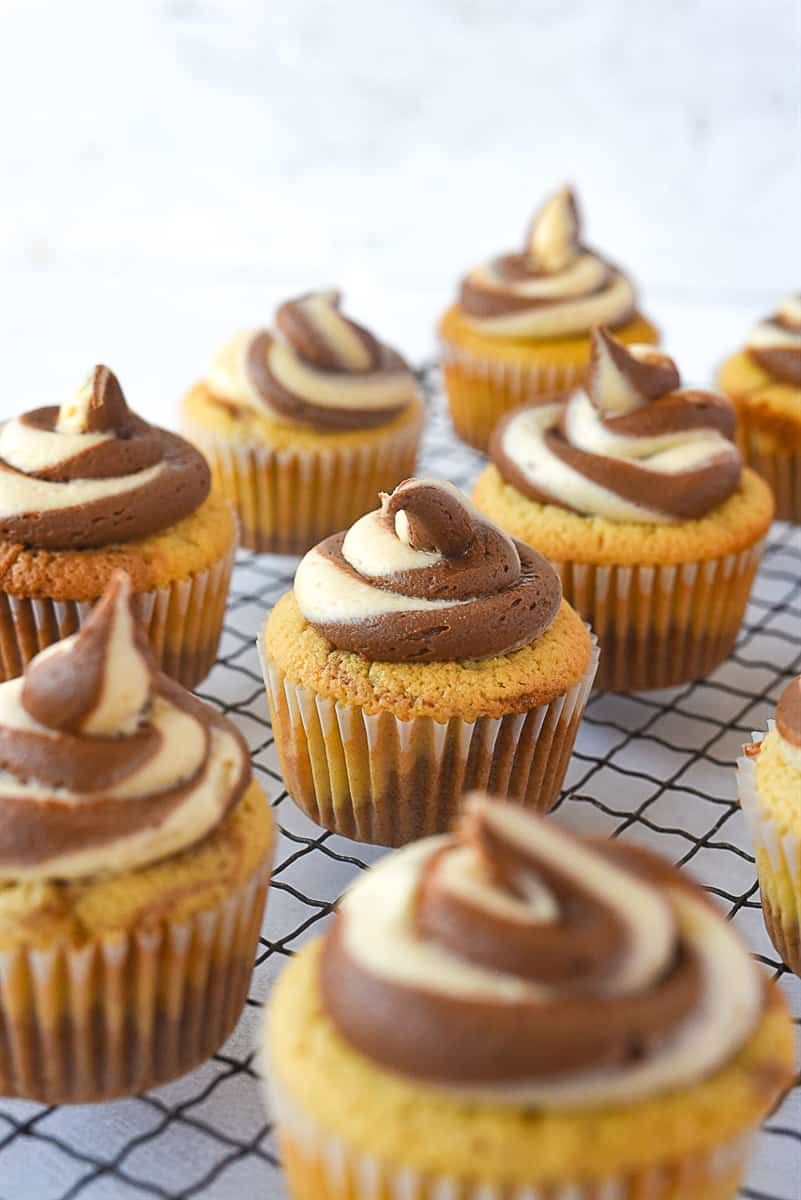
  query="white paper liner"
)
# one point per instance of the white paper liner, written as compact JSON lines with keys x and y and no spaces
{"x":660,"y":626}
{"x":183,"y":621}
{"x":379,"y":779}
{"x":131,"y":1011}
{"x":346,"y":1173}
{"x":783,"y":852}
{"x":288,"y":500}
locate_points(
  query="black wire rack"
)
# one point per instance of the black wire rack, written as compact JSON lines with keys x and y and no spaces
{"x":654,"y":767}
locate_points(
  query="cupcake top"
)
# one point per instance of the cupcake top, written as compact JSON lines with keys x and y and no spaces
{"x":108,"y":765}
{"x":554,"y":287}
{"x":788,"y":725}
{"x":426,"y":578}
{"x":316,"y":368}
{"x":91,"y":473}
{"x":775,"y":343}
{"x":633,"y":445}
{"x":515,"y":962}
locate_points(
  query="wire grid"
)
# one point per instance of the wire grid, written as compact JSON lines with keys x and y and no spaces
{"x":655,"y":767}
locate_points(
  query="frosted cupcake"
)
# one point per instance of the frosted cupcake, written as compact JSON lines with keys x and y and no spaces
{"x":764,"y":382}
{"x":304,"y":424}
{"x":134,"y":862}
{"x":90,"y":488}
{"x":636,"y":493}
{"x":511,"y":1012}
{"x":769,"y":787}
{"x":520,"y":331}
{"x":421,"y":653}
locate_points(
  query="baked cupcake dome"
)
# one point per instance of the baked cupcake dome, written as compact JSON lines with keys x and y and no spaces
{"x":520,"y":331}
{"x":514,"y":1008}
{"x":769,"y":788}
{"x":763,"y":381}
{"x":304,"y":424}
{"x":636,"y":493}
{"x":419,"y":654}
{"x":134,"y":863}
{"x":88,"y":489}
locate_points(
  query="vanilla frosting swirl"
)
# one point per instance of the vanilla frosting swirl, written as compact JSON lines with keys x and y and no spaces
{"x":426,"y":578}
{"x":555,"y":288}
{"x":517,"y":962}
{"x":317,"y":367}
{"x":775,"y":343}
{"x":92,"y":473}
{"x":632,"y":446}
{"x":105,"y":764}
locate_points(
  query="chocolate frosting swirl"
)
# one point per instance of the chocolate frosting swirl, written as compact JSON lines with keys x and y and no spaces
{"x":788,"y":724}
{"x":515,"y":960}
{"x":555,"y":287}
{"x":92,"y":473}
{"x":775,"y":343}
{"x":632,"y":446}
{"x":106,"y":764}
{"x":318,"y":368}
{"x":424,"y":579}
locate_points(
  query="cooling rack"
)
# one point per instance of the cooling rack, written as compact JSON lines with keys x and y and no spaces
{"x":655,"y":767}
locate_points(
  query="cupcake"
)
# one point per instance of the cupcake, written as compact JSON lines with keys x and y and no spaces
{"x":134,"y":861}
{"x":635,"y":491}
{"x":512,"y":1012}
{"x":303,"y":425}
{"x":764,"y":383}
{"x":769,"y":788}
{"x":419,"y":654}
{"x":89,"y":488}
{"x":520,"y":332}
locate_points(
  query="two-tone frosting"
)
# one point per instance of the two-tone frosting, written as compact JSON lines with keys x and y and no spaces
{"x":555,"y":287}
{"x":633,"y":445}
{"x":775,"y":343}
{"x":517,"y":962}
{"x":317,"y":368}
{"x":426,"y":578}
{"x":92,"y":473}
{"x":788,"y":725}
{"x":105,"y":764}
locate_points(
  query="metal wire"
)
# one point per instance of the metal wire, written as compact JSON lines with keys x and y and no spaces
{"x":656,"y":767}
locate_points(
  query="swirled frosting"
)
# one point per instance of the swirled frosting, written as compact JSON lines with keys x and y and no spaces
{"x":788,"y":724}
{"x":516,"y":961}
{"x":631,"y":446}
{"x":426,"y":578}
{"x":91,"y":472}
{"x":555,"y":287}
{"x":775,"y":343}
{"x":106,"y":765}
{"x":318,"y":367}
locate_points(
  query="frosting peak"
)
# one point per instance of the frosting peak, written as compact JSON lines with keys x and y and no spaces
{"x":775,"y":343}
{"x":98,"y":406}
{"x":633,"y":446}
{"x":426,"y":578}
{"x":318,"y":368}
{"x":554,"y":238}
{"x":517,"y":961}
{"x":100,"y":681}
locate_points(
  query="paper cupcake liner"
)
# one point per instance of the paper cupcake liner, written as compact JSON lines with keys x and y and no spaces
{"x":128,"y":1012}
{"x":378,"y":779}
{"x":778,"y":858}
{"x":663,"y":625}
{"x":322,"y":1166}
{"x":288,"y":500}
{"x":482,"y":390}
{"x":183,"y":621}
{"x":778,"y":464}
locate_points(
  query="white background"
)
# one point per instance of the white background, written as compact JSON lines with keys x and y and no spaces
{"x":169,"y":170}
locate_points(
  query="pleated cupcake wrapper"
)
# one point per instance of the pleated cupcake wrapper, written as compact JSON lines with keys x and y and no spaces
{"x":288,"y":500}
{"x":482,"y":390}
{"x":128,"y":1012}
{"x":183,"y":621}
{"x":778,"y":854}
{"x":664,"y":625}
{"x":322,"y":1166}
{"x":767,"y":453}
{"x":379,"y":779}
